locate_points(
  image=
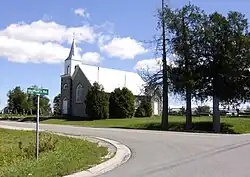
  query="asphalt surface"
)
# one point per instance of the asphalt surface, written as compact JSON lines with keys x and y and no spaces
{"x":170,"y":154}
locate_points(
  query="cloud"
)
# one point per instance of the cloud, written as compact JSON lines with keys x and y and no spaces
{"x":31,"y":51}
{"x":91,"y":58}
{"x":41,"y":31}
{"x":152,"y":65}
{"x":41,"y":41}
{"x":82,"y":12}
{"x":125,"y":48}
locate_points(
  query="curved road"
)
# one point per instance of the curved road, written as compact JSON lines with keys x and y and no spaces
{"x":170,"y":154}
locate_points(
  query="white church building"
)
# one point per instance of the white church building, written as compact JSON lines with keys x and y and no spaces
{"x":79,"y":77}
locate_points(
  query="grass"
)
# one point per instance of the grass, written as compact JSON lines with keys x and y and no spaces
{"x":233,"y":125}
{"x":176,"y":123}
{"x":68,"y":155}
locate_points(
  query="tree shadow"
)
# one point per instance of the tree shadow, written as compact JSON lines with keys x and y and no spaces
{"x":197,"y":127}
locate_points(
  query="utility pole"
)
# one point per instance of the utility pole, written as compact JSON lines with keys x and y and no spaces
{"x":164,"y":122}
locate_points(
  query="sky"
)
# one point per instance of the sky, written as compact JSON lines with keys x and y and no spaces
{"x":35,"y":37}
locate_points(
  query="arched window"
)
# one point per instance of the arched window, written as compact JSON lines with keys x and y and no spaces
{"x":79,"y":94}
{"x":65,"y":86}
{"x":67,"y":71}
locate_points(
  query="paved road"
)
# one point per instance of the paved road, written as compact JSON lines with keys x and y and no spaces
{"x":169,"y":154}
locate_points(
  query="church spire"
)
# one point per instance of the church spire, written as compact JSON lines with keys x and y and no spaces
{"x":73,"y":49}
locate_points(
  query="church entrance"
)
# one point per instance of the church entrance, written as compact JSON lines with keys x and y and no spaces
{"x":156,"y":109}
{"x":65,"y":106}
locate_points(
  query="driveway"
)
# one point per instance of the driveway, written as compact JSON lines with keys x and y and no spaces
{"x":170,"y":154}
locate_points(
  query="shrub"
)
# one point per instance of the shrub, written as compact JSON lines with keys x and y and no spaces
{"x":121,"y":103}
{"x":97,"y":102}
{"x":144,"y":109}
{"x":47,"y":142}
{"x":147,"y":106}
{"x":140,"y":112}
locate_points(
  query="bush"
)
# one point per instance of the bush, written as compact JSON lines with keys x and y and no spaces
{"x":121,"y":103}
{"x":97,"y":102}
{"x":140,"y":112}
{"x":47,"y":142}
{"x":144,"y":109}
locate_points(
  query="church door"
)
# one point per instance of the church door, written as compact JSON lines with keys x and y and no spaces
{"x":156,"y":109}
{"x":65,"y":106}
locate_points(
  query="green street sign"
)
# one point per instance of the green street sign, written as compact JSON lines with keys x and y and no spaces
{"x":35,"y":91}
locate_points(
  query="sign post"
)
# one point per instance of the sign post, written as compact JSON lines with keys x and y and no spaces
{"x":37,"y":92}
{"x":37,"y":128}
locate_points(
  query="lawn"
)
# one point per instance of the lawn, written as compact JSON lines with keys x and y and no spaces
{"x":59,"y":155}
{"x":176,"y":123}
{"x":234,"y":125}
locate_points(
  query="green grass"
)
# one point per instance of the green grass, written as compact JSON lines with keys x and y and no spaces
{"x":176,"y":123}
{"x":70,"y":155}
{"x":234,"y":125}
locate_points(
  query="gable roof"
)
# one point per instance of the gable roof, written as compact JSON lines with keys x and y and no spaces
{"x":112,"y":78}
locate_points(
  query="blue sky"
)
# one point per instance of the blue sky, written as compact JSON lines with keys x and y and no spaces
{"x":35,"y":36}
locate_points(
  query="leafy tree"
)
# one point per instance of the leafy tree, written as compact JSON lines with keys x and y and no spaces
{"x":17,"y":100}
{"x":144,"y":109}
{"x":140,"y":112}
{"x":20,"y":103}
{"x":121,"y":103}
{"x":56,"y":105}
{"x":185,"y":27}
{"x":97,"y":102}
{"x":225,"y":65}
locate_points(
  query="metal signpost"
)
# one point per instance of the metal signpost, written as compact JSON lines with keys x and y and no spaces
{"x":37,"y":92}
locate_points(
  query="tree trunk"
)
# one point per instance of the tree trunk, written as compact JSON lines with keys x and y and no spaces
{"x":164,"y":123}
{"x":216,"y":114}
{"x":188,"y":109}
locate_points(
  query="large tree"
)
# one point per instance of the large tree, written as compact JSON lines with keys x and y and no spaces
{"x":185,"y":27}
{"x":226,"y":60}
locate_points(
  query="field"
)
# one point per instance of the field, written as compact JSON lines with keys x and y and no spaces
{"x":176,"y":123}
{"x":234,"y":125}
{"x":59,"y":155}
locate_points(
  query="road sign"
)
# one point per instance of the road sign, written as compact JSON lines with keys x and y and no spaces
{"x":35,"y":91}
{"x":38,"y":92}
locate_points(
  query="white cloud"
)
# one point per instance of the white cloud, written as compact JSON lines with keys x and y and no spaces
{"x":125,"y":48}
{"x":91,"y":58}
{"x":42,"y":41}
{"x":82,"y":12}
{"x":41,"y":31}
{"x":30,"y":51}
{"x":151,"y":65}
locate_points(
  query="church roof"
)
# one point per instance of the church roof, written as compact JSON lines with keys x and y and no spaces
{"x":113,"y":78}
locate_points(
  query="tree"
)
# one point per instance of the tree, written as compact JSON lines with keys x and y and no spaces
{"x":226,"y":60}
{"x":56,"y":105}
{"x":144,"y":109}
{"x":17,"y":100}
{"x":185,"y":27}
{"x":20,"y":103}
{"x":97,"y":102}
{"x":121,"y":103}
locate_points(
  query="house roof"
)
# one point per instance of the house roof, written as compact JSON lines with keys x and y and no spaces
{"x":113,"y":78}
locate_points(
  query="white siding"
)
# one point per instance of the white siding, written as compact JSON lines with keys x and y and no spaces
{"x":111,"y":78}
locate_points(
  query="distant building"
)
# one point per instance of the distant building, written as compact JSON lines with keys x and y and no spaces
{"x":78,"y":78}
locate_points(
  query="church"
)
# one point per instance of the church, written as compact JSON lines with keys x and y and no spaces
{"x":79,"y":77}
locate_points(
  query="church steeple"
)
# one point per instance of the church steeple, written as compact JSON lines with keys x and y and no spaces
{"x":72,"y":53}
{"x":73,"y":59}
